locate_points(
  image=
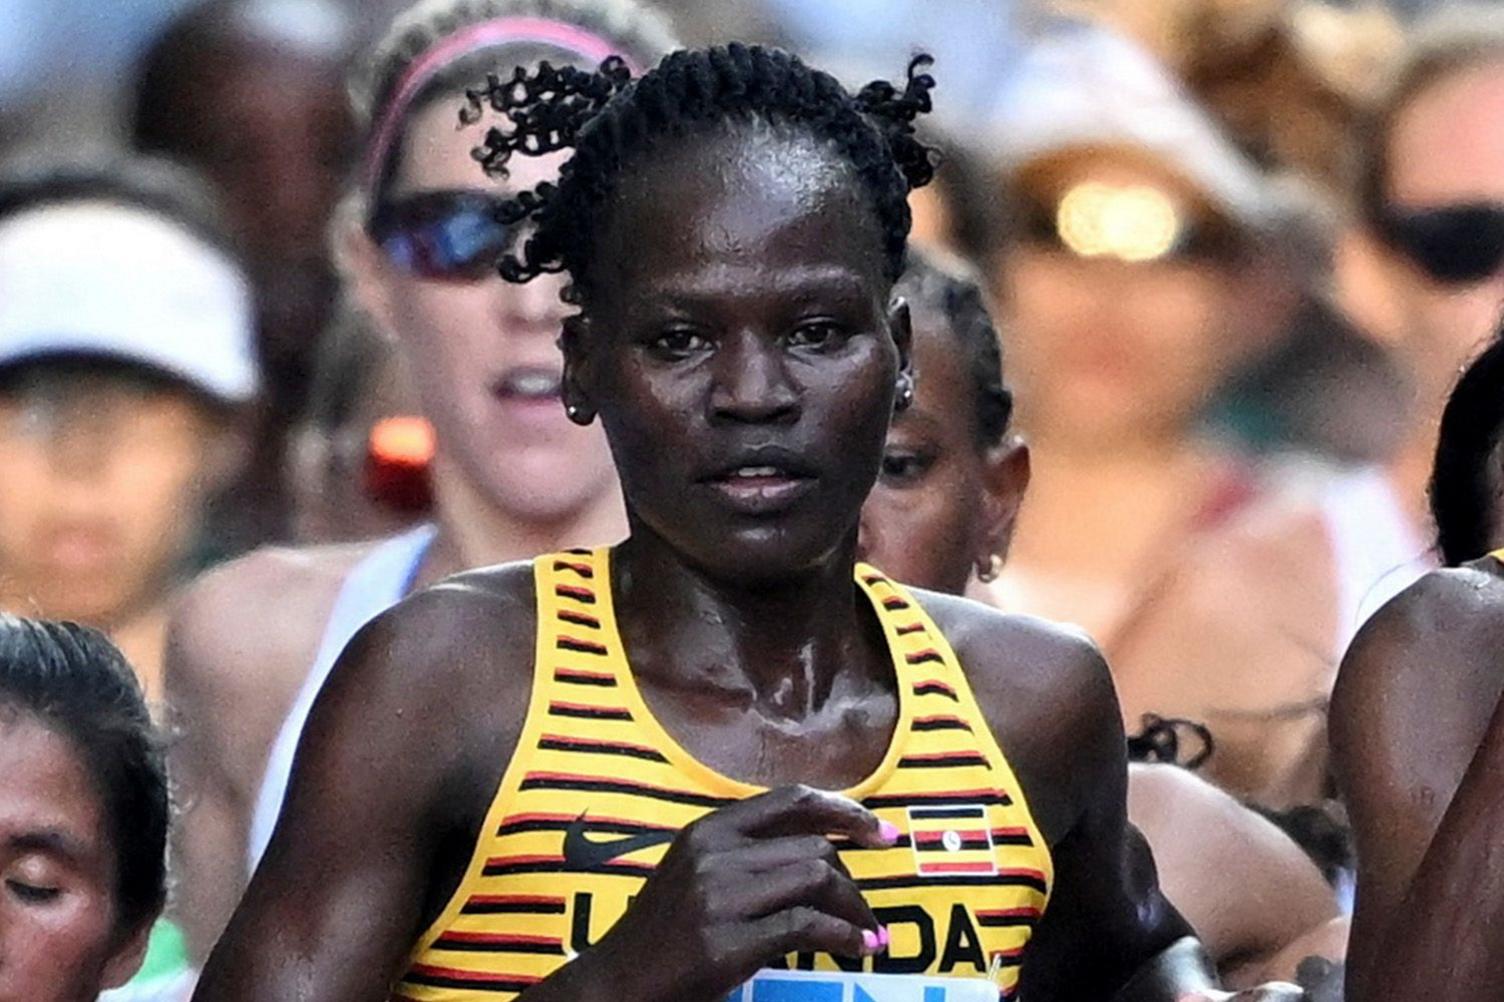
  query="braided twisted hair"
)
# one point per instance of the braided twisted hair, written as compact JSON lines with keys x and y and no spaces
{"x":610,"y":121}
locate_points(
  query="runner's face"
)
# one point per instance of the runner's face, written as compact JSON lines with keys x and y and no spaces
{"x":270,"y":126}
{"x":1445,"y":149}
{"x":58,"y":941}
{"x":925,"y":522}
{"x":105,"y":477}
{"x":483,"y":354}
{"x":1108,"y":352}
{"x":744,"y":359}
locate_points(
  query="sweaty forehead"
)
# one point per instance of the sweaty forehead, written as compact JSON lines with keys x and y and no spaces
{"x":754,"y":199}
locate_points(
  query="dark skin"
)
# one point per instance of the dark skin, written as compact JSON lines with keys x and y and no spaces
{"x":1418,"y":744}
{"x":757,"y":317}
{"x":945,"y":501}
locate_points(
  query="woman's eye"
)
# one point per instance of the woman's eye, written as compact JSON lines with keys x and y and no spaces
{"x":32,"y":894}
{"x":678,"y":343}
{"x":816,"y":335}
{"x":900,"y":468}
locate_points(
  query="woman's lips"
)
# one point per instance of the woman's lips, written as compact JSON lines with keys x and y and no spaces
{"x":760,"y":490}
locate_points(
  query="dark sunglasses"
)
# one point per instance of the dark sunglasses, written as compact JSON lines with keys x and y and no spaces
{"x":1454,"y":244}
{"x":454,"y":236}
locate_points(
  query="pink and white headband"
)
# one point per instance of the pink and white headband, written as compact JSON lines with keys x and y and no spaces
{"x":589,"y":46}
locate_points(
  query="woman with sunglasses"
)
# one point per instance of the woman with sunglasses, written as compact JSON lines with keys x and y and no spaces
{"x":951,"y":481}
{"x":1417,"y":736}
{"x":552,"y":780}
{"x":1138,"y":276}
{"x":1268,"y":602}
{"x":512,"y":477}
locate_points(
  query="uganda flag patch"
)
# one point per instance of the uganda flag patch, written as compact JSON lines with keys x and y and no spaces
{"x":951,"y":841}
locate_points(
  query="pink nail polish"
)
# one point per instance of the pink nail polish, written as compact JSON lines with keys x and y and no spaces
{"x":889,"y":832}
{"x":870,"y":941}
{"x":883,"y":936}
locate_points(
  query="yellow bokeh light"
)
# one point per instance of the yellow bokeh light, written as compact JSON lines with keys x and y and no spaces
{"x":1134,"y":223}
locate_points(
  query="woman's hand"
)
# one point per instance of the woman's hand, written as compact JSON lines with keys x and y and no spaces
{"x":742,"y":886}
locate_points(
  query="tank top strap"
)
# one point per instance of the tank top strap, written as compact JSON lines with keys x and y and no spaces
{"x":947,"y":723}
{"x":377,"y":582}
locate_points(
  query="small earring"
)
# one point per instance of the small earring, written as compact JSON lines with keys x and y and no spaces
{"x":992,"y":571}
{"x":573,"y":411}
{"x":905,"y":394}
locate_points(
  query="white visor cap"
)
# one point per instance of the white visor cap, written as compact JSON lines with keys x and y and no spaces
{"x":1082,"y":85}
{"x":101,"y":278}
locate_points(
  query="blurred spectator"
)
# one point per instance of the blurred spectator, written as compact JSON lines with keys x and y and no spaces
{"x":1288,"y":79}
{"x":941,"y":512}
{"x":1248,"y":634}
{"x":83,"y":831}
{"x":1148,"y":262}
{"x":1136,"y":275}
{"x":125,"y":359}
{"x":251,"y":92}
{"x":511,"y":475}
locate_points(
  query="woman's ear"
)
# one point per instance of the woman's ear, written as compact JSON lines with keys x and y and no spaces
{"x":366,"y":273}
{"x":129,"y":954}
{"x":1005,"y":480}
{"x":574,"y":342}
{"x":901,"y":327}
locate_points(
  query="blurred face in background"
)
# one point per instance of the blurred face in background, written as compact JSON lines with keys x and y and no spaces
{"x":1445,"y":151}
{"x":106,"y":471}
{"x":1121,"y":299}
{"x":945,"y":499}
{"x":482,"y":353}
{"x":59,"y":940}
{"x":270,"y":125}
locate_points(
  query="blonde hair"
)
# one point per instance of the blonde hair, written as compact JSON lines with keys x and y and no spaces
{"x":634,"y":29}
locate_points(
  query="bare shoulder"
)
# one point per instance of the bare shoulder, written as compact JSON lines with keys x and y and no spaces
{"x":463,"y":629}
{"x":1048,"y":696}
{"x":1023,"y":660}
{"x":221,"y":628}
{"x":1450,"y":622}
{"x":447,"y":670}
{"x":1271,"y":561}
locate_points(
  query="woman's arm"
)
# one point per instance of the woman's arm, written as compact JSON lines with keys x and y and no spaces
{"x":1418,"y":743}
{"x":401,"y":756}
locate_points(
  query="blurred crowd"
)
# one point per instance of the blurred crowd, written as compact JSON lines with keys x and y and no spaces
{"x":258,"y":378}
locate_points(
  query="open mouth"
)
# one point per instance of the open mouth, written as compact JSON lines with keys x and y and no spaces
{"x":529,"y":385}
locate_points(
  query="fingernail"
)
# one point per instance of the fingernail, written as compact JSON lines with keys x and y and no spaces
{"x":883,"y":936}
{"x":888,"y":832}
{"x":870,"y":941}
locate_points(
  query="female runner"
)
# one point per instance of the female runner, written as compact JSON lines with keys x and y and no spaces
{"x":83,"y":815}
{"x":1418,"y":737}
{"x":600,"y":775}
{"x":511,"y":476}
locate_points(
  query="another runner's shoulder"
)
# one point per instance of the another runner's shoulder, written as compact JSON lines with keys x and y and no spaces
{"x":1048,"y":696}
{"x":1452,"y":617}
{"x":221,"y":647}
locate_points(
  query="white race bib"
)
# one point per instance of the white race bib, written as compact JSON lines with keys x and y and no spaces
{"x":819,"y":986}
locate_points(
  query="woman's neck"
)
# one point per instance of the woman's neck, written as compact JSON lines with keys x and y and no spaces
{"x":474,"y":532}
{"x":1096,"y":509}
{"x":783,"y":650}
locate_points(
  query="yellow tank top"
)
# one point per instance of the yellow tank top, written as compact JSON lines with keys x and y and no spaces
{"x":597,"y":788}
